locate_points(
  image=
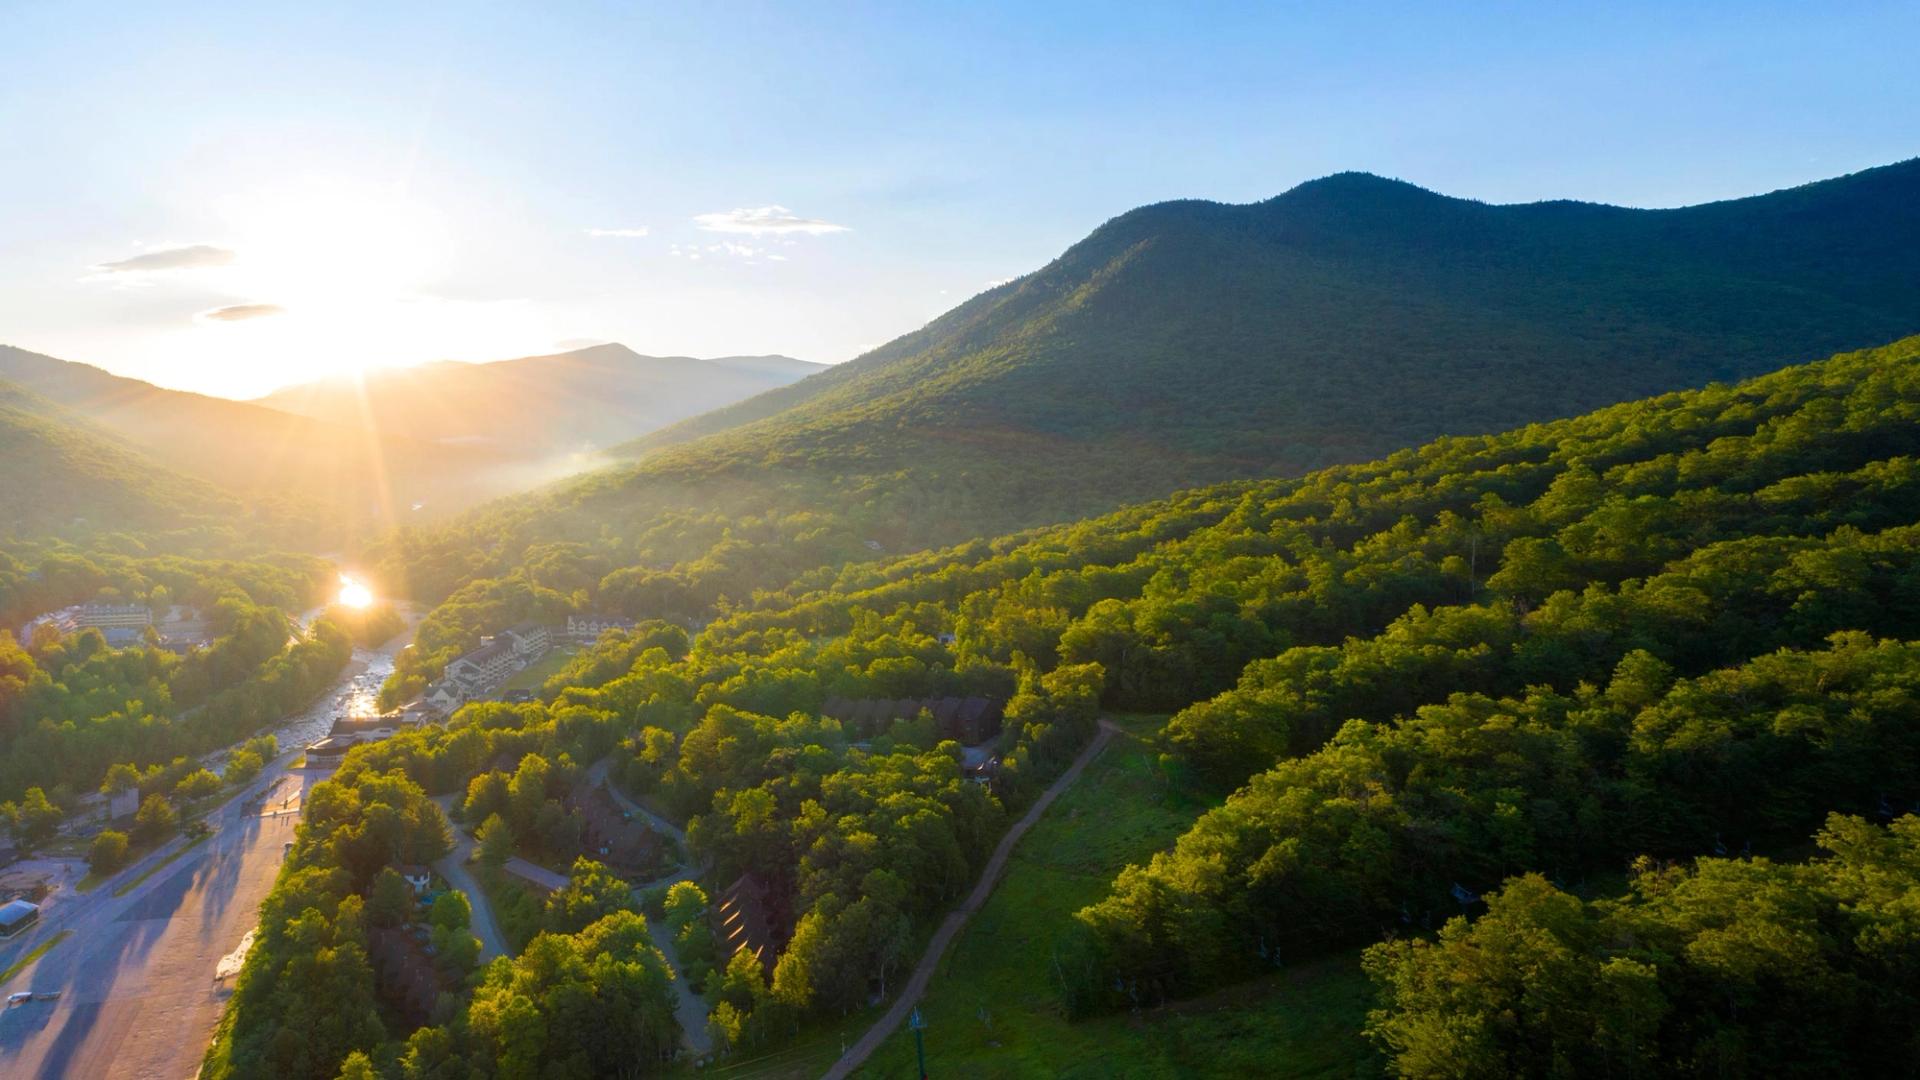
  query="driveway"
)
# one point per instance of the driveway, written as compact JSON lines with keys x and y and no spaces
{"x":689,"y":1008}
{"x":454,"y":867}
{"x":598,"y":775}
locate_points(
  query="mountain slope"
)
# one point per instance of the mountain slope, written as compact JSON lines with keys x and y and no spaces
{"x":573,"y":401}
{"x":1191,"y":341}
{"x":356,"y":480}
{"x":66,"y":477}
{"x":1188,"y":343}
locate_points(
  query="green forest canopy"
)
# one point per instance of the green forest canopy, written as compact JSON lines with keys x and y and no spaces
{"x":1669,"y":627}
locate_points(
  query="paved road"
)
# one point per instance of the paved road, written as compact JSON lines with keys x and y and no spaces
{"x":989,"y":877}
{"x":689,"y":1008}
{"x":598,"y":774}
{"x":453,"y":866}
{"x":136,"y":979}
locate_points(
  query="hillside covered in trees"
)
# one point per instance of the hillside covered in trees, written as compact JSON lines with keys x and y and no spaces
{"x":1464,"y":688}
{"x":1191,"y":342}
{"x":67,"y":478}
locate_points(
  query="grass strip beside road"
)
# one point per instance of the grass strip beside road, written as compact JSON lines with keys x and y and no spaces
{"x":161,"y":865}
{"x":39,"y":951}
{"x":96,"y":878}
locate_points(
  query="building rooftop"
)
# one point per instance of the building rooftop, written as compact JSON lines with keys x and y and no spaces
{"x":17,"y":911}
{"x":740,"y":920}
{"x":493,"y":650}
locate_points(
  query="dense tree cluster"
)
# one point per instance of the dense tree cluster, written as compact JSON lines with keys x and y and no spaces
{"x":306,"y":997}
{"x":72,"y":707}
{"x":1730,"y":967}
{"x":1563,"y":712}
{"x":40,"y":577}
{"x":1383,"y":825}
{"x":111,"y":718}
{"x":570,"y":1007}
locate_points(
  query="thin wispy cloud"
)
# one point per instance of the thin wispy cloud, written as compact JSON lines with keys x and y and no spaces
{"x":765,"y":221}
{"x":634,"y":233}
{"x":243,"y":312}
{"x":189,"y":257}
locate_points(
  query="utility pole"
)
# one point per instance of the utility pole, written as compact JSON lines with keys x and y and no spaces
{"x":919,"y":1045}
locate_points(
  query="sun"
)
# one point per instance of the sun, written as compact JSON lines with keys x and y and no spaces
{"x":353,"y":594}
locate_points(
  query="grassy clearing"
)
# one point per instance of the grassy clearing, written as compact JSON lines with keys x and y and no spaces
{"x":534,"y":675}
{"x":992,"y":1010}
{"x":143,"y":875}
{"x":39,"y":951}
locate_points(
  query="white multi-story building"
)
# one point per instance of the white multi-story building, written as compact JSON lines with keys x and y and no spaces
{"x":530,"y":640}
{"x":115,"y":616}
{"x":486,"y":665}
{"x":590,"y":627}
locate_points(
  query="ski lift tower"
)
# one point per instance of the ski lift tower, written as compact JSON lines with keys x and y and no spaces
{"x":918,"y":1025}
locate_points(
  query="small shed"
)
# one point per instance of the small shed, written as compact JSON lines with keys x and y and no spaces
{"x":17,"y":915}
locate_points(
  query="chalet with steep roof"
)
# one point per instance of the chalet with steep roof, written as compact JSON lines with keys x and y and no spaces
{"x":742,"y":921}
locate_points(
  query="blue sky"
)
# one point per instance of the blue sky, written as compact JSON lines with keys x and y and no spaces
{"x":375,"y":184}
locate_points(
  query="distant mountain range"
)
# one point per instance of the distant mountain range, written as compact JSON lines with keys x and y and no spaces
{"x":1189,"y":342}
{"x":572,"y":401}
{"x":422,"y":444}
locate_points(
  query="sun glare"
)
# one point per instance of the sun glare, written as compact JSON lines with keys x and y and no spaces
{"x":353,"y":594}
{"x":333,"y":275}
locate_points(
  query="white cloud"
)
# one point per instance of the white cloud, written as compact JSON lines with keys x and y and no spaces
{"x":242,"y":312}
{"x":188,"y":257}
{"x":997,"y":282}
{"x":765,"y":221}
{"x":634,"y":233}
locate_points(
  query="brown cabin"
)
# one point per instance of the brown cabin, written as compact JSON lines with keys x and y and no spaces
{"x":609,"y":835}
{"x":404,"y":972}
{"x":742,"y":920}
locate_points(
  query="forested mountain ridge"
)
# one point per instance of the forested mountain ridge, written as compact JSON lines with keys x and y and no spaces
{"x":1675,"y":628}
{"x":65,"y":477}
{"x":581,"y":400}
{"x":1257,"y":338}
{"x":1192,"y":342}
{"x":352,"y":484}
